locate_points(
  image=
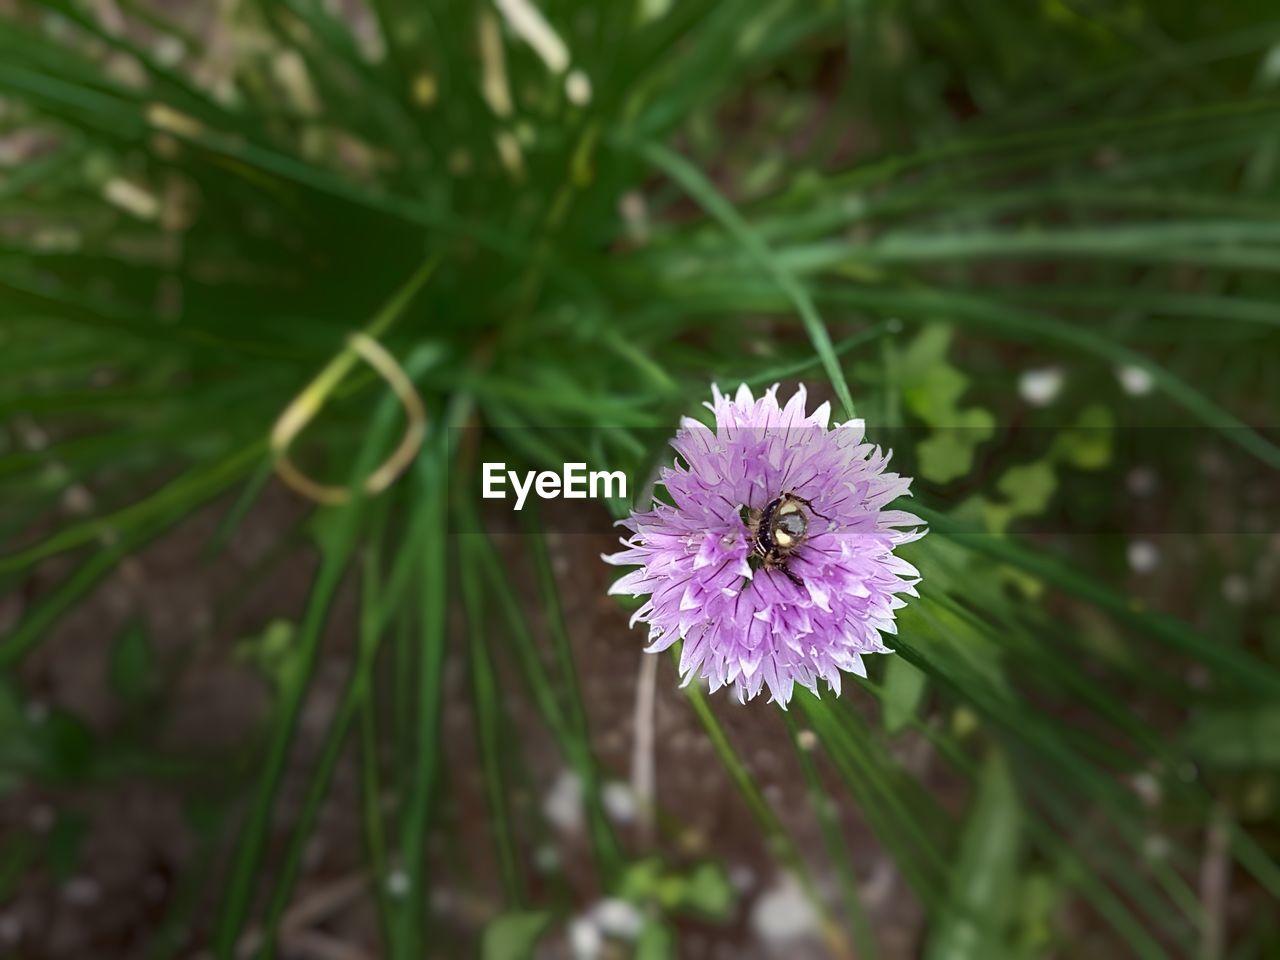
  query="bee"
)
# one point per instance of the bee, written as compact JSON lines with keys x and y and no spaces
{"x":778,"y":531}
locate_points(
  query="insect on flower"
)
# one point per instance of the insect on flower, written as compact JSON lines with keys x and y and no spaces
{"x":778,"y":530}
{"x":774,"y":560}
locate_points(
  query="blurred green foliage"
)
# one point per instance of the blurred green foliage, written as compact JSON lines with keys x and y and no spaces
{"x":914,"y":201}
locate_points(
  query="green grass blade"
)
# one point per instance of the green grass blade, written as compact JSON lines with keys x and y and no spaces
{"x":824,"y":808}
{"x":711,"y":200}
{"x":488,"y":713}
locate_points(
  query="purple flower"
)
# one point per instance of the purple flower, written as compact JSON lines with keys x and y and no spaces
{"x":774,"y":560}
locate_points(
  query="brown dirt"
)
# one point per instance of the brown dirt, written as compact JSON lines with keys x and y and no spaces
{"x":143,"y":844}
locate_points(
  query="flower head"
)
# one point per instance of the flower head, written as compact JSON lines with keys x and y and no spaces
{"x":774,"y":560}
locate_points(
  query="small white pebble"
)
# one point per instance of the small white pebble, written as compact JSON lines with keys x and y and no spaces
{"x":653,"y":9}
{"x":526,"y":20}
{"x":1142,"y":481}
{"x":1271,"y":64}
{"x":577,"y":87}
{"x":1039,"y":387}
{"x":132,"y":198}
{"x":33,"y":436}
{"x":619,"y":802}
{"x":169,"y":51}
{"x":1135,"y":381}
{"x":617,"y":918}
{"x":562,"y":805}
{"x":807,"y":739}
{"x":1147,"y":787}
{"x":397,"y":883}
{"x":77,"y":500}
{"x":1156,"y":847}
{"x":634,"y":210}
{"x":783,"y":915}
{"x":585,"y":940}
{"x":1143,"y":556}
{"x":1236,"y":589}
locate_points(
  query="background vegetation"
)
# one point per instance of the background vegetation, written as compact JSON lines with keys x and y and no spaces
{"x":1033,"y":234}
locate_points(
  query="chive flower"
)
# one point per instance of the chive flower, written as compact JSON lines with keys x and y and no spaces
{"x":773,"y":560}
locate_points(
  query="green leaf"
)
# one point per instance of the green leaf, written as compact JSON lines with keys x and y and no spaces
{"x":931,"y":386}
{"x":52,"y":748}
{"x":657,"y":942}
{"x":1087,"y":443}
{"x":512,"y":936}
{"x":948,"y":453}
{"x":64,"y":845}
{"x":130,"y":669}
{"x":1236,"y":738}
{"x":1038,"y":899}
{"x":983,"y":884}
{"x":66,"y":744}
{"x":641,"y":879}
{"x":707,"y":892}
{"x":704,"y":890}
{"x":272,"y":651}
{"x":931,"y":389}
{"x":904,"y":686}
{"x":1027,"y":489}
